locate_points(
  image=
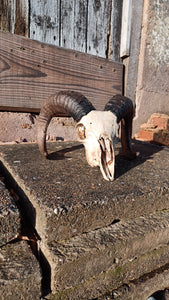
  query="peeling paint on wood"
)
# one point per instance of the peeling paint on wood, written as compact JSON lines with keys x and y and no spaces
{"x":91,"y":26}
{"x":73,"y":24}
{"x":115,"y":34}
{"x":45,"y":21}
{"x":98,"y":27}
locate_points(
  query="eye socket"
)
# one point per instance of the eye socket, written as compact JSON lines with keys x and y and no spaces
{"x":81,"y":131}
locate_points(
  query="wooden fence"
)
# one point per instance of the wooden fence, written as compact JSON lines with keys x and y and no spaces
{"x":30,"y":71}
{"x":91,"y":26}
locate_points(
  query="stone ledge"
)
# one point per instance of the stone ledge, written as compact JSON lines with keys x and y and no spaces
{"x":20,"y":274}
{"x":153,"y":283}
{"x":106,"y":257}
{"x":126,"y":275}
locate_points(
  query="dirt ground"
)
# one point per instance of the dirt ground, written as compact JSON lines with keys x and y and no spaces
{"x":21,"y":127}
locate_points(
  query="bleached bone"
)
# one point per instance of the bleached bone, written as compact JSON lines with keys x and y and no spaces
{"x":97,"y":130}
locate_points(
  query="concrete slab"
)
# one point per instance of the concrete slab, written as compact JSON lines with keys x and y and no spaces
{"x":91,"y":264}
{"x":20,"y":274}
{"x":66,"y":197}
{"x":95,"y":234}
{"x":10,"y":223}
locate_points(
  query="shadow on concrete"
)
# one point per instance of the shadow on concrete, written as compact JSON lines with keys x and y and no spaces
{"x":144,"y":152}
{"x":59,"y":155}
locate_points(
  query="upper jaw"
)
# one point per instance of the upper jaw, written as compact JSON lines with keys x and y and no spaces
{"x":107,"y":159}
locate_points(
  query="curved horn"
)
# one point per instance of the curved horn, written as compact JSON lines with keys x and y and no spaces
{"x":71,"y":103}
{"x":123,"y":108}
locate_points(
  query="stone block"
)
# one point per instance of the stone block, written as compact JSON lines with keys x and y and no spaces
{"x":108,"y":257}
{"x":20,"y":274}
{"x":10,"y":223}
{"x":155,"y":284}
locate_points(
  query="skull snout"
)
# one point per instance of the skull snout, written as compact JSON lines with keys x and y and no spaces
{"x":107,"y":158}
{"x":93,"y":154}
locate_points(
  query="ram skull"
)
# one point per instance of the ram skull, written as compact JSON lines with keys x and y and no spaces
{"x":97,"y":130}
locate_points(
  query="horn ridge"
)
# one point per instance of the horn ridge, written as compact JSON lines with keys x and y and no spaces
{"x":120,"y":106}
{"x":74,"y":104}
{"x":65,"y":102}
{"x":123,"y":108}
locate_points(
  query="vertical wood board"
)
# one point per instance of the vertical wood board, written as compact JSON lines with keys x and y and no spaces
{"x":20,"y":12}
{"x":5,"y":15}
{"x":99,"y":14}
{"x":91,"y":26}
{"x":126,"y":28}
{"x":115,"y":32}
{"x":73,"y":24}
{"x":45,"y":21}
{"x":133,"y":60}
{"x":31,"y":71}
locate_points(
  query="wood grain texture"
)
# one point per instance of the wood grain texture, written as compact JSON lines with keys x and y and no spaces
{"x":31,"y":71}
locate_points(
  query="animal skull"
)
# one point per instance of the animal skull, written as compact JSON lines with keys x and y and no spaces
{"x":98,"y":131}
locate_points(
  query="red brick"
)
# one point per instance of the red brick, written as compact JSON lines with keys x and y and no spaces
{"x":159,"y":121}
{"x":163,"y":139}
{"x":148,"y":134}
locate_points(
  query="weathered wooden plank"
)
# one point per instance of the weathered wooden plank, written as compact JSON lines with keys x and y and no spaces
{"x":45,"y":21}
{"x":14,"y":16}
{"x":73,"y":24}
{"x":133,"y":60}
{"x":126,"y":28}
{"x":115,"y":32}
{"x":20,"y":10}
{"x":5,"y":15}
{"x":99,"y":14}
{"x":31,"y":71}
